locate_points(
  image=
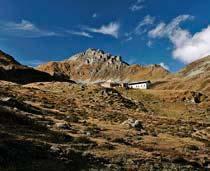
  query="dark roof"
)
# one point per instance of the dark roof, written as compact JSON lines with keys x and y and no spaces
{"x":140,"y":82}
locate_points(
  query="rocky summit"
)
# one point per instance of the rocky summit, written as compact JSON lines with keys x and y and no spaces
{"x":96,"y":66}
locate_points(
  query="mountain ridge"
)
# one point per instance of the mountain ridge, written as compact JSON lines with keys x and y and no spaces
{"x":96,"y":65}
{"x":12,"y":70}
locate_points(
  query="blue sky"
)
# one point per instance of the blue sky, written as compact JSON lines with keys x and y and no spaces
{"x":171,"y":33}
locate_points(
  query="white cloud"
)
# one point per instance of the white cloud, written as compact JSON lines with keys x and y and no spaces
{"x":140,"y":28}
{"x":23,"y":25}
{"x":193,"y":47}
{"x":164,"y":66}
{"x":80,"y":33}
{"x":149,"y":43}
{"x":163,"y":29}
{"x":94,"y":15}
{"x":24,"y":29}
{"x":140,"y":1}
{"x":127,"y":39}
{"x":138,"y":5}
{"x":187,"y":47}
{"x":111,"y":29}
{"x":158,"y":31}
{"x":148,"y":20}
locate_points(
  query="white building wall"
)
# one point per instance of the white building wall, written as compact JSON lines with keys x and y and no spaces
{"x":139,"y":86}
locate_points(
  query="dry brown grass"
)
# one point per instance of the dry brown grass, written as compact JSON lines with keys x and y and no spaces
{"x":95,"y":126}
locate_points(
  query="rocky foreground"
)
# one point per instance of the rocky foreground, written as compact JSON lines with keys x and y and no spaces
{"x":64,"y":126}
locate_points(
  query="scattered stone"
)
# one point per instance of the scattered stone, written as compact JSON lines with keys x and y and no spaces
{"x":128,"y":122}
{"x":109,"y":91}
{"x":82,"y":87}
{"x":62,"y":126}
{"x":202,"y":134}
{"x":88,"y":133}
{"x":195,"y":97}
{"x":17,"y":104}
{"x":72,"y":118}
{"x":137,"y":124}
{"x":55,"y":149}
{"x":132,"y":123}
{"x":5,"y":99}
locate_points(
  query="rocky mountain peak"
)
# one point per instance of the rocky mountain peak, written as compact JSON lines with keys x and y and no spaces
{"x":93,"y":56}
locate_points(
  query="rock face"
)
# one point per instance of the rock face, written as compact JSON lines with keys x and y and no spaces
{"x":96,"y":66}
{"x":11,"y":70}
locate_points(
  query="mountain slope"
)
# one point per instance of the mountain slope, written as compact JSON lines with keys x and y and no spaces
{"x":6,"y":59}
{"x":62,"y":126}
{"x":196,"y":68}
{"x":11,"y":70}
{"x":195,"y":76}
{"x":96,"y":65}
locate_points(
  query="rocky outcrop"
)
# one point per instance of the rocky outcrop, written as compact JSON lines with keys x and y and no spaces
{"x":96,"y":66}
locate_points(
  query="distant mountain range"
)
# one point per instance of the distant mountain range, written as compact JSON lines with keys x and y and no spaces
{"x":94,"y":66}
